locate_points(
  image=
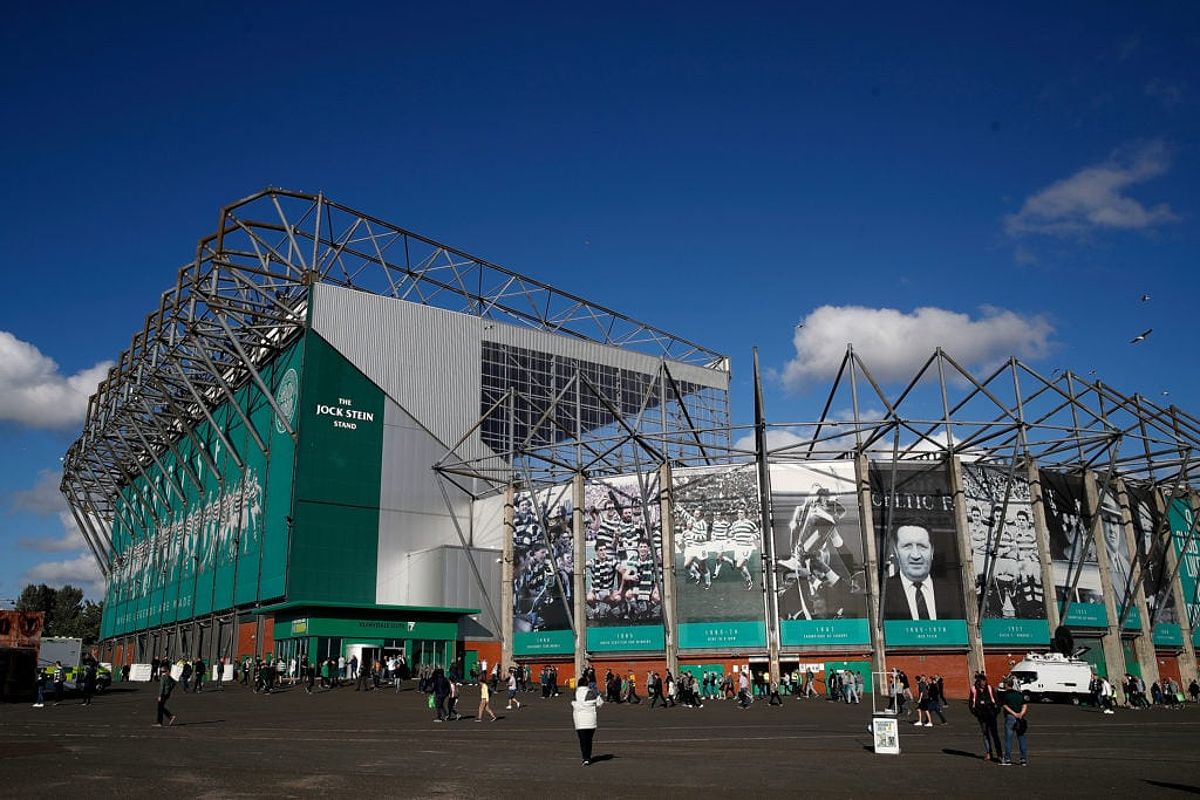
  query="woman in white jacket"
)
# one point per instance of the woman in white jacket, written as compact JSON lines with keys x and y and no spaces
{"x":584,"y":708}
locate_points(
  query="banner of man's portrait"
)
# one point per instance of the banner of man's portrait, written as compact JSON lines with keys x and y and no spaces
{"x":1152,"y":536}
{"x":820,"y":575}
{"x":718,"y":557}
{"x":623,"y":576}
{"x":543,"y":572}
{"x":1072,"y":551}
{"x":921,"y":592}
{"x":1004,"y":555}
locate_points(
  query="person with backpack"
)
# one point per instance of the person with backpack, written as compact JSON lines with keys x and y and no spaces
{"x":983,"y":704}
{"x":166,"y":685}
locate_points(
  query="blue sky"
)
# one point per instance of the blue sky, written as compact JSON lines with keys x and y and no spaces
{"x":1023,"y":174}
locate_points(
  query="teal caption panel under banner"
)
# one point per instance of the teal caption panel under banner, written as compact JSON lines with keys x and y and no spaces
{"x":716,"y":635}
{"x":543,"y":642}
{"x":1168,"y":634}
{"x":1015,"y":631}
{"x":1087,"y":615}
{"x":801,"y":632}
{"x":625,"y":637}
{"x":925,"y":632}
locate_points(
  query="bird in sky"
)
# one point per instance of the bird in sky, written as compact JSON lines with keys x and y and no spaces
{"x":1056,"y":371}
{"x":1141,"y":337}
{"x":1145,"y":298}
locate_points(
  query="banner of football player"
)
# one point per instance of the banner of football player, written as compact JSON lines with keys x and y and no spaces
{"x":1120,"y":565}
{"x":820,"y":577}
{"x":718,"y":557}
{"x":543,"y":572}
{"x":1152,"y":537}
{"x":1072,"y":551}
{"x":624,"y":577}
{"x":1004,"y":556}
{"x":1187,"y":550}
{"x":921,"y":593}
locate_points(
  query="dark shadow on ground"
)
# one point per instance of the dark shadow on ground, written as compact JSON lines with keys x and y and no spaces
{"x":964,"y":753}
{"x":198,"y":722}
{"x":604,"y":757}
{"x":1177,"y":786}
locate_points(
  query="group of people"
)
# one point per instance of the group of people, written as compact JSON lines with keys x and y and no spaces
{"x":991,"y":704}
{"x":926,"y":695}
{"x":1166,"y":693}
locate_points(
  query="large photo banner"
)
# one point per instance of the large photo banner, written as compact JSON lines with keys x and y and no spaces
{"x":1120,"y":565}
{"x":1004,"y":556}
{"x":1151,"y":535}
{"x":718,"y":557}
{"x":820,"y":577}
{"x":624,"y":577}
{"x":543,"y":572}
{"x":1072,"y":552}
{"x":921,"y":592}
{"x":1187,"y":550}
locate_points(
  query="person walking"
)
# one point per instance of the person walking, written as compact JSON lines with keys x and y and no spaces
{"x":88,"y":683}
{"x":983,"y":704}
{"x":59,"y":683}
{"x":584,"y":710}
{"x":1015,"y":708}
{"x":441,"y":691}
{"x":41,"y":689}
{"x":512,"y":688}
{"x":485,"y":702}
{"x":166,"y":685}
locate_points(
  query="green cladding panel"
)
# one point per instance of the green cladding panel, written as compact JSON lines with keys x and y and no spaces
{"x":335,"y":533}
{"x":204,"y":526}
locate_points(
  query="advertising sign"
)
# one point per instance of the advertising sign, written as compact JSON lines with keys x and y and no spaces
{"x":921,"y":586}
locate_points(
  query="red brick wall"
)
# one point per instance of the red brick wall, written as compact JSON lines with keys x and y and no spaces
{"x":246,"y":633}
{"x":997,"y":665}
{"x":951,"y":666}
{"x":1168,"y":667}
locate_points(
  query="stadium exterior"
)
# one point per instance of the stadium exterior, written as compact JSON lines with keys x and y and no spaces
{"x":337,"y":436}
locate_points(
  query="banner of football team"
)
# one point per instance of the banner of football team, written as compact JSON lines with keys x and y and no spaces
{"x":543,"y":572}
{"x":1004,"y":556}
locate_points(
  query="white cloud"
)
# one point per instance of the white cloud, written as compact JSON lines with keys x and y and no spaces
{"x":34,"y":392}
{"x":71,"y":538}
{"x":894,"y":344}
{"x":43,"y":497}
{"x":81,"y":571}
{"x":1092,"y":199}
{"x":776,"y":438}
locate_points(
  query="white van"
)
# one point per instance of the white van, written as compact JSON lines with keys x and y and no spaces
{"x":1052,"y":676}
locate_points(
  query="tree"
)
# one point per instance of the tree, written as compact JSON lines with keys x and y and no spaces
{"x":67,"y":614}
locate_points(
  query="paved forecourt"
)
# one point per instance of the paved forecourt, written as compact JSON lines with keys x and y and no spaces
{"x":233,"y":743}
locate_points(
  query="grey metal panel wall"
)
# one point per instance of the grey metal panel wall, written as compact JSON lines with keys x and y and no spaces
{"x":428,"y":359}
{"x":413,"y":515}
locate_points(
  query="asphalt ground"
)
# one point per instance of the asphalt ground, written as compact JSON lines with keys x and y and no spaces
{"x":233,"y":743}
